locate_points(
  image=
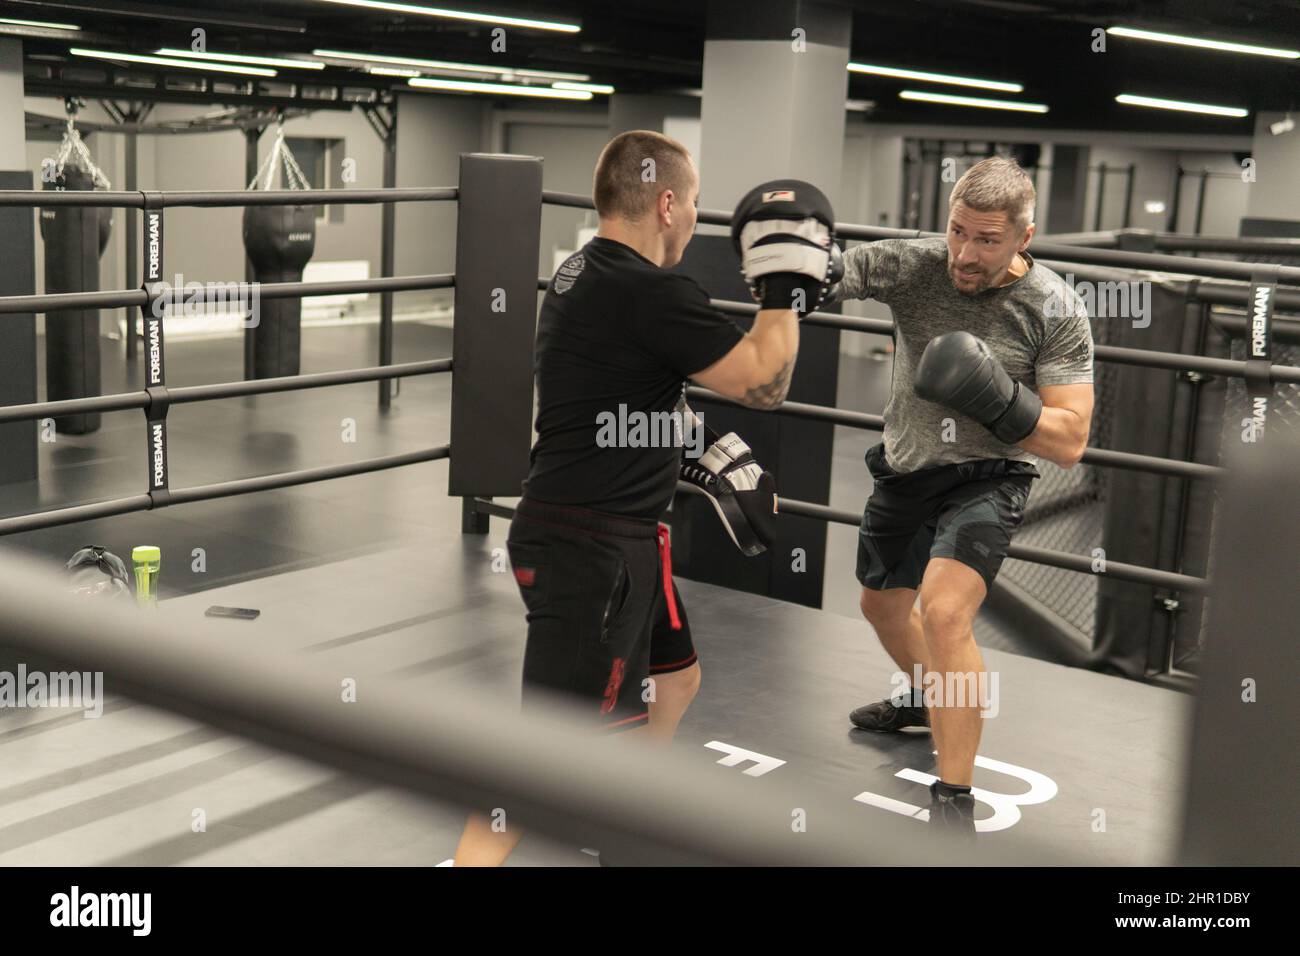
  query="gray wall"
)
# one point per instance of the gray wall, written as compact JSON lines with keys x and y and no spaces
{"x":1153,"y":179}
{"x":1226,"y":195}
{"x":805,"y":90}
{"x":569,"y":160}
{"x":432,"y":132}
{"x":872,"y":177}
{"x":1275,"y":194}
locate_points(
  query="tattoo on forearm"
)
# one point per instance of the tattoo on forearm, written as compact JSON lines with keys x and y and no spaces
{"x":771,"y":394}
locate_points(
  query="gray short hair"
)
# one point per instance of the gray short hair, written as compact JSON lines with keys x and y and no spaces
{"x":997,"y":184}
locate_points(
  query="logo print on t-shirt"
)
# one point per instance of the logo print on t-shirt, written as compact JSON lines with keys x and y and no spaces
{"x":568,"y":273}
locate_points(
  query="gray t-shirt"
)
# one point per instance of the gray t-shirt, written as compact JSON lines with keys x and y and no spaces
{"x":1036,"y":343}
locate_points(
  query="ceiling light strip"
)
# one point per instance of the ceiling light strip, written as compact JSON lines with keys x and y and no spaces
{"x":901,"y":74}
{"x":1222,"y":45}
{"x":498,"y":19}
{"x":952,"y":100}
{"x":1154,"y":102}
{"x":242,"y":58}
{"x":461,"y":86}
{"x":434,"y":65}
{"x":168,"y":61}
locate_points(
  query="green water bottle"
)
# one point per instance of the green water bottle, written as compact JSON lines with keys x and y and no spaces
{"x":147,"y":559}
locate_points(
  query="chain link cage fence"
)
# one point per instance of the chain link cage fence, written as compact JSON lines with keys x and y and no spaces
{"x":1067,"y":507}
{"x":1065,"y":513}
{"x":1283,"y":424}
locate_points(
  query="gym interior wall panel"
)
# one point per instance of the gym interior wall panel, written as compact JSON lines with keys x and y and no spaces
{"x":686,"y":130}
{"x":1227,"y":195}
{"x":432,"y":132}
{"x":885,"y":185}
{"x":1274,"y":194}
{"x":569,"y":154}
{"x":201,"y":245}
{"x":870,"y":187}
{"x":1043,"y":186}
{"x":358,"y":234}
{"x":1068,"y":187}
{"x":655,"y":112}
{"x":1126,"y":139}
{"x":1153,"y":179}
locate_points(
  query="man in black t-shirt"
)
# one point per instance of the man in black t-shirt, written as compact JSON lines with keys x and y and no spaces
{"x":617,"y":337}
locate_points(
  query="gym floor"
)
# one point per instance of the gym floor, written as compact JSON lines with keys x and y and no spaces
{"x":373,"y":568}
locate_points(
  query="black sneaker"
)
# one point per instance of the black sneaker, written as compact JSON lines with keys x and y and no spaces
{"x":956,"y":814}
{"x":890,"y":716}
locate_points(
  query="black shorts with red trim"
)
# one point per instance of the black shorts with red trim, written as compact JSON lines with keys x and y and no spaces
{"x":599,"y":620}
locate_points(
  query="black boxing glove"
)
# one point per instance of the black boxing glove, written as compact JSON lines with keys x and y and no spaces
{"x":958,"y":370}
{"x":784,"y":231}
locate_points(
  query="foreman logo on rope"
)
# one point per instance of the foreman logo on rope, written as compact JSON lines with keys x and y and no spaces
{"x":159,"y":466}
{"x":155,"y":351}
{"x":155,"y":246}
{"x":1259,"y":322}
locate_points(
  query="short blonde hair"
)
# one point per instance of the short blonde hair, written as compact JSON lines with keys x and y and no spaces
{"x":997,"y":184}
{"x":621,"y":187}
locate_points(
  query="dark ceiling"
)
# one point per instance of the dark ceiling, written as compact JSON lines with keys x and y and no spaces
{"x":658,"y":45}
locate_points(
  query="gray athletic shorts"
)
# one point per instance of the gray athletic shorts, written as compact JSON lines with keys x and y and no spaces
{"x":967,"y":512}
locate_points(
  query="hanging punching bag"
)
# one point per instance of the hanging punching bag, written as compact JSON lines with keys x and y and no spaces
{"x":280,"y":241}
{"x":74,"y":238}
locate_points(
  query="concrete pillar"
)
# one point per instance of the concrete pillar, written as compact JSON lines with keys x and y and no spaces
{"x":775,"y":83}
{"x":13,"y":134}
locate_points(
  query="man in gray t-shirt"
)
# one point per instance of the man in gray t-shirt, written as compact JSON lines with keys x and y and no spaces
{"x":912,"y":277}
{"x":992,"y":370}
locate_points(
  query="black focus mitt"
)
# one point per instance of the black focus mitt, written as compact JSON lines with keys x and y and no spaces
{"x":784,"y":231}
{"x":741,"y":492}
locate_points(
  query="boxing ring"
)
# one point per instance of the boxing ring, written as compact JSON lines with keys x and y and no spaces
{"x":255,"y":732}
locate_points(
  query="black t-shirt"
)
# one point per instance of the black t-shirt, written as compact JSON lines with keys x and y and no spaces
{"x":616,"y":330}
